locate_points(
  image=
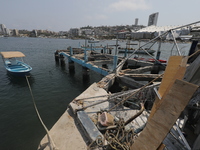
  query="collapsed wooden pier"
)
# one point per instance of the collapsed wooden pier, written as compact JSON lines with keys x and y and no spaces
{"x":79,"y":123}
{"x":119,"y":112}
{"x":105,"y":63}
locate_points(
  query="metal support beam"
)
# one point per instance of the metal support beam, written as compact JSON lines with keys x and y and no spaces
{"x":176,"y":43}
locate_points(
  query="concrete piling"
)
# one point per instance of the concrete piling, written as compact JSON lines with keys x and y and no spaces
{"x":62,"y":60}
{"x":85,"y":73}
{"x":56,"y":57}
{"x":71,"y":66}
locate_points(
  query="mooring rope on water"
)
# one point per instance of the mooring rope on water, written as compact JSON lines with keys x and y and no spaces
{"x":41,"y":121}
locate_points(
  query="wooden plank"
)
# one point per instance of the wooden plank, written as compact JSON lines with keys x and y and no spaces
{"x":175,"y":70}
{"x":139,"y":70}
{"x":174,"y":102}
{"x":143,"y":77}
{"x":172,"y":72}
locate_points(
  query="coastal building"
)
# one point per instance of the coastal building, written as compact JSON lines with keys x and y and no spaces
{"x":15,"y":32}
{"x":35,"y":33}
{"x":152,"y":30}
{"x":74,"y":32}
{"x":153,"y":18}
{"x":3,"y":30}
{"x":123,"y":34}
{"x":62,"y":33}
{"x":136,"y":21}
{"x":87,"y":32}
{"x":102,"y":33}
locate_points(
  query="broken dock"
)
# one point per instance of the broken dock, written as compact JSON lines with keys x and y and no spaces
{"x":120,"y":112}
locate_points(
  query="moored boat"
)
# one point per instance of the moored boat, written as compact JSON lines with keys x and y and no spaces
{"x":92,"y":40}
{"x":13,"y":65}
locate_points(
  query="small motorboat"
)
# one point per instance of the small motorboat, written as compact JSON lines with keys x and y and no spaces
{"x":13,"y":65}
{"x":92,"y":40}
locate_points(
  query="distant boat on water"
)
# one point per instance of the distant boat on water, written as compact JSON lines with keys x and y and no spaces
{"x":13,"y":65}
{"x":92,"y":40}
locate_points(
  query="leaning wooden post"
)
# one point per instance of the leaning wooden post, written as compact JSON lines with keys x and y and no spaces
{"x":85,"y":55}
{"x":71,"y":51}
{"x":115,"y":59}
{"x":91,"y":47}
{"x":104,"y":49}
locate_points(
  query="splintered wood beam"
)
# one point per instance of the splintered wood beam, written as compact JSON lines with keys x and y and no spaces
{"x":175,"y":69}
{"x":157,"y":128}
{"x":139,"y":70}
{"x":143,"y":77}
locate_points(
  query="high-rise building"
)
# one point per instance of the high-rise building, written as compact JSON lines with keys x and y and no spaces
{"x":15,"y":32}
{"x":7,"y":31}
{"x":136,"y":21}
{"x":2,"y":26}
{"x":4,"y":30}
{"x":153,"y":18}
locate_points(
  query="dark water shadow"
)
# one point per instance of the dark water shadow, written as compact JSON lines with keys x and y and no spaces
{"x":19,"y":80}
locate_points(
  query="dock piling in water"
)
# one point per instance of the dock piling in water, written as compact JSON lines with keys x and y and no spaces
{"x":71,"y":51}
{"x":71,"y":66}
{"x":56,"y":56}
{"x":62,"y":60}
{"x":85,"y":73}
{"x":115,"y":58}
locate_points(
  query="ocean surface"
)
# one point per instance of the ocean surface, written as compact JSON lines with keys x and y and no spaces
{"x":53,"y":88}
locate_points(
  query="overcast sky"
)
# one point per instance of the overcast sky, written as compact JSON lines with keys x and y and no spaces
{"x":61,"y":15}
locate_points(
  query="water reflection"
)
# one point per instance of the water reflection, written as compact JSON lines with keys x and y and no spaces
{"x":20,"y":81}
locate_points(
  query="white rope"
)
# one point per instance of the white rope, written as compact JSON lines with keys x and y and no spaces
{"x":52,"y":145}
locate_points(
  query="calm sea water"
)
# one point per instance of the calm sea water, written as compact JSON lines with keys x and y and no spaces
{"x":53,"y":88}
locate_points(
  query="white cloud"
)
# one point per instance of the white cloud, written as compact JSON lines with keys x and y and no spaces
{"x":122,"y":5}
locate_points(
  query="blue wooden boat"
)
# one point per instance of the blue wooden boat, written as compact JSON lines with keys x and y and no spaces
{"x":13,"y":65}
